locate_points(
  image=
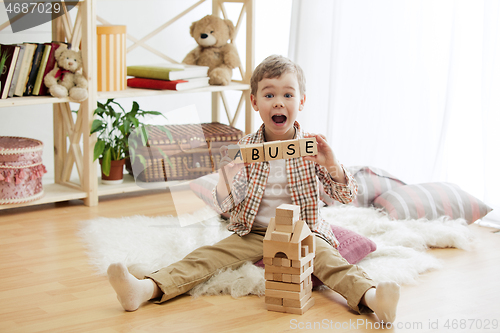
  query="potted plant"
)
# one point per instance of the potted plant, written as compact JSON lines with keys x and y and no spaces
{"x":114,"y":128}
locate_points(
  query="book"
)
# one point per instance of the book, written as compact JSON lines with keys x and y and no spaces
{"x":25,"y":69}
{"x":167,"y":71}
{"x":17,"y":70}
{"x":179,"y":85}
{"x":37,"y":58}
{"x":41,"y":70}
{"x":8,"y":59}
{"x":51,"y":63}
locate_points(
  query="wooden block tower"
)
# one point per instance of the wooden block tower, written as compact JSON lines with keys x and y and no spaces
{"x":289,"y":250}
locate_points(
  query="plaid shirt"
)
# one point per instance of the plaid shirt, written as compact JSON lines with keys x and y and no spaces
{"x":250,"y":183}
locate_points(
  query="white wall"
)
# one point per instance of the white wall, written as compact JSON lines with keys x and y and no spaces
{"x":141,"y":17}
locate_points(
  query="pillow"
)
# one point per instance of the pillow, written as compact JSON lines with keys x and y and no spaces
{"x":431,"y":201}
{"x":372,"y":182}
{"x":353,"y":246}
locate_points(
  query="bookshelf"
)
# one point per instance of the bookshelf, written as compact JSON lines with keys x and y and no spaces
{"x":73,"y":147}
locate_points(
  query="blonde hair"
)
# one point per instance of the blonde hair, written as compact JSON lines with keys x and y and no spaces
{"x":273,"y":67}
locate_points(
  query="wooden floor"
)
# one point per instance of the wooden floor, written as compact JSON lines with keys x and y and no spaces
{"x":47,"y":285}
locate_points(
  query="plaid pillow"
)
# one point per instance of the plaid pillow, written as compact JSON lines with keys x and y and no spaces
{"x":431,"y":201}
{"x":372,"y":182}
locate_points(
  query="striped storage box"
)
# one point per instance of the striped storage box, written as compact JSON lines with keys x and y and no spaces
{"x":21,"y":170}
{"x":111,"y":57}
{"x":193,"y":152}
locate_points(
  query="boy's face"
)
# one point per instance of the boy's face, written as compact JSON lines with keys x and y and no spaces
{"x":278,"y":101}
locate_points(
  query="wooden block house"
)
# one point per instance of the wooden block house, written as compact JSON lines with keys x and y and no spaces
{"x":289,"y":250}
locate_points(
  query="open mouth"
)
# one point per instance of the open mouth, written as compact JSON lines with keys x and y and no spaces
{"x":279,"y":119}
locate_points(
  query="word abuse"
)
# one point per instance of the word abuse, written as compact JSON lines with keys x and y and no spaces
{"x":274,"y":150}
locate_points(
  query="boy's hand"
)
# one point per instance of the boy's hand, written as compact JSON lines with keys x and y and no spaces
{"x":227,"y":171}
{"x":326,"y":158}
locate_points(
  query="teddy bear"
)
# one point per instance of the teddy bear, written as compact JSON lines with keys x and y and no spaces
{"x":65,"y":79}
{"x":212,"y":33}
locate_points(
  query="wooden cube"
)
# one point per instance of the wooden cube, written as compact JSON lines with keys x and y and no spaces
{"x":291,"y":148}
{"x":305,"y":250}
{"x":281,"y":236}
{"x":277,"y":262}
{"x":267,"y":261}
{"x":245,"y":153}
{"x":277,"y":277}
{"x":287,"y":278}
{"x":274,"y":300}
{"x":235,"y":154}
{"x":255,"y":153}
{"x":274,"y":285}
{"x":284,"y":220}
{"x":285,"y":262}
{"x":269,"y":276}
{"x":308,"y":146}
{"x":273,"y":150}
{"x":293,"y":303}
{"x":287,"y":210}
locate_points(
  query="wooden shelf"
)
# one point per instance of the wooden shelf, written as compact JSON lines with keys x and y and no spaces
{"x":72,"y":144}
{"x":129,"y":185}
{"x":52,"y":193}
{"x":31,"y":100}
{"x":135,"y":92}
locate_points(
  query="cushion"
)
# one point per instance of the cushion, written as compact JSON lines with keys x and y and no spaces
{"x":372,"y":182}
{"x":431,"y":201}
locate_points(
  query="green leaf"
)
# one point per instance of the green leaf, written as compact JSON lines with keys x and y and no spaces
{"x":167,"y":132}
{"x":97,"y":125}
{"x":143,"y":161}
{"x":135,"y":108}
{"x":106,"y":162}
{"x":144,"y":135}
{"x":155,"y":113}
{"x":132,"y":154}
{"x":98,"y":149}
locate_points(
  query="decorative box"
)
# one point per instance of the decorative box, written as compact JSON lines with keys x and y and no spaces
{"x":21,"y":170}
{"x":193,"y":152}
{"x":111,"y":57}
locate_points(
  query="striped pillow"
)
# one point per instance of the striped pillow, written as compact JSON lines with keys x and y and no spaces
{"x":372,"y":182}
{"x":431,"y":201}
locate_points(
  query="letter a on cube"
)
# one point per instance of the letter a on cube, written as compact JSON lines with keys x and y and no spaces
{"x":235,"y":153}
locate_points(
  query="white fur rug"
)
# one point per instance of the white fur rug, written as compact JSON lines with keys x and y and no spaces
{"x":154,"y":242}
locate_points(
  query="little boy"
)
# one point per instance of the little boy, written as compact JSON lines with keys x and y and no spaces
{"x":278,"y":94}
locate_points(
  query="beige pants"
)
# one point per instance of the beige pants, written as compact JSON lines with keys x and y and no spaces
{"x":330,"y":267}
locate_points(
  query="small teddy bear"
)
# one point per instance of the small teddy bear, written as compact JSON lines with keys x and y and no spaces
{"x":66,"y":78}
{"x":212,"y":33}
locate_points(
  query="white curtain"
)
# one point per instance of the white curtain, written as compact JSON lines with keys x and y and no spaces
{"x":409,"y":86}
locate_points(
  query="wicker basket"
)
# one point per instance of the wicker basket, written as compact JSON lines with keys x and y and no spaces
{"x":193,"y":152}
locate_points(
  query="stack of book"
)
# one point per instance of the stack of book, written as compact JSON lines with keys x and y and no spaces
{"x":24,"y":66}
{"x":167,"y":76}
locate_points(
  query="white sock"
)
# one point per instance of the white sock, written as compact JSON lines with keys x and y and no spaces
{"x":383,"y":300}
{"x":130,"y":291}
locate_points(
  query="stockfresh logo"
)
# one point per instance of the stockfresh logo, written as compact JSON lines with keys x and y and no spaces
{"x":24,"y":15}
